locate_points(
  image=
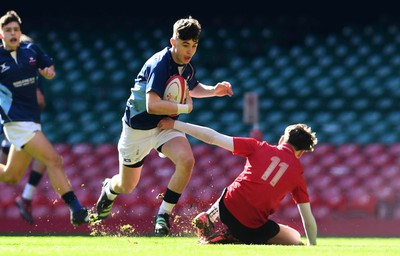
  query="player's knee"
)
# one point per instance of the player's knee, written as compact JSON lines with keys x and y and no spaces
{"x":295,"y":237}
{"x":54,"y":162}
{"x":286,"y":236}
{"x":187,"y":161}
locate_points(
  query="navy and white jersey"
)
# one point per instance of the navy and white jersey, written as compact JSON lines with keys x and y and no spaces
{"x":153,"y":77}
{"x":19,"y":80}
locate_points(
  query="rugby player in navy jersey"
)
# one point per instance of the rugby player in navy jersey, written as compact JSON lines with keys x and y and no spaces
{"x":24,"y":201}
{"x":270,"y":173}
{"x":20,"y":114}
{"x":145,"y":108}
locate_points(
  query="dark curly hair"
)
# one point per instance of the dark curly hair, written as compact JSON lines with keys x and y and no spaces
{"x":187,"y":29}
{"x":300,"y":137}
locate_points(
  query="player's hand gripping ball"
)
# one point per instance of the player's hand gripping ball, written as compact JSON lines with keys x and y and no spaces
{"x":175,"y":89}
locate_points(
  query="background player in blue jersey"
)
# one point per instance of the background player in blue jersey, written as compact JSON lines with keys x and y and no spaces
{"x":20,"y":114}
{"x":24,"y":201}
{"x":145,"y":108}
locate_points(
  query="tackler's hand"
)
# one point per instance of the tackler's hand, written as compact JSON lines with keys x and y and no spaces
{"x":166,"y":123}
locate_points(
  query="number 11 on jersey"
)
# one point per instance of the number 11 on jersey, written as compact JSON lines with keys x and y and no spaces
{"x":275,"y":162}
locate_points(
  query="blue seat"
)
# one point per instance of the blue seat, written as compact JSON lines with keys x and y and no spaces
{"x":347,"y":87}
{"x":324,"y":86}
{"x":299,"y":116}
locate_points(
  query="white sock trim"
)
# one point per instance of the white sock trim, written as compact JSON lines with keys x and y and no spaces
{"x":165,"y":208}
{"x":28,"y":192}
{"x":213,"y":212}
{"x":110,"y":195}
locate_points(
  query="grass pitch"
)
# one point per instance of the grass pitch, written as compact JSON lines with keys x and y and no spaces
{"x":120,"y":245}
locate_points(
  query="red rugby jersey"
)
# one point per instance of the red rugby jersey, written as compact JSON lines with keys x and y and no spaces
{"x":270,"y":173}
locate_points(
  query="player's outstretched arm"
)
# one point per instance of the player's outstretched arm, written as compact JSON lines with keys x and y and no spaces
{"x":219,"y":90}
{"x":202,"y":133}
{"x":309,"y":223}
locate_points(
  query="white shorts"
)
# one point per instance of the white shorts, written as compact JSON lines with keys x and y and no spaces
{"x":20,"y":133}
{"x":134,"y":145}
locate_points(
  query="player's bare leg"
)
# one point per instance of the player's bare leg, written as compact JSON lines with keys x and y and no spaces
{"x":42,"y":150}
{"x":16,"y":164}
{"x":286,"y":236}
{"x":178,"y":150}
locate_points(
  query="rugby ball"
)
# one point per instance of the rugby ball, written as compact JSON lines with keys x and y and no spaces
{"x":175,"y":89}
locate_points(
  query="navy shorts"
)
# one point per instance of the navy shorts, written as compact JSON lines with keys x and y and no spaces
{"x":245,"y":234}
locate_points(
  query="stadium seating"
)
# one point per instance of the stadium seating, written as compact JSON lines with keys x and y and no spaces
{"x":338,"y":187}
{"x":330,"y":81}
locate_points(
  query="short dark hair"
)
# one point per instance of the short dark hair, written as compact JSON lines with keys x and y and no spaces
{"x":187,"y":29}
{"x":9,"y":17}
{"x":300,"y":137}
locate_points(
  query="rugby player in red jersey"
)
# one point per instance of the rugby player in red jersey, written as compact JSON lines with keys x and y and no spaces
{"x":270,"y":173}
